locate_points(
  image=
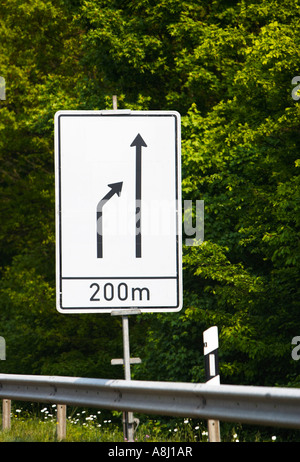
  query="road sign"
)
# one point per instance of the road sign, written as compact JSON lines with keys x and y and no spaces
{"x":118,"y":211}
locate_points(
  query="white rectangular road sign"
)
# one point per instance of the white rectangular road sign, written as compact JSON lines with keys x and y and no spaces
{"x":118,"y":211}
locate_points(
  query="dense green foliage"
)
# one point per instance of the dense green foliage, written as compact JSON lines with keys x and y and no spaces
{"x":227,"y":67}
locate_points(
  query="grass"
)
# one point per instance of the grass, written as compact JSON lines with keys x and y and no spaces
{"x":39,"y":425}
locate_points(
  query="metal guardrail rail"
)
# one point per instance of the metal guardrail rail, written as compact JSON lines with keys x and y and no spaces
{"x":269,"y":406}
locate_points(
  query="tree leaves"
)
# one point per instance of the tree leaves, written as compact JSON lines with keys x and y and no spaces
{"x":227,"y":67}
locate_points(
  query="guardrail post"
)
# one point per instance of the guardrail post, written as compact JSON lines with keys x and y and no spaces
{"x":6,"y":410}
{"x":211,"y":346}
{"x":61,"y":429}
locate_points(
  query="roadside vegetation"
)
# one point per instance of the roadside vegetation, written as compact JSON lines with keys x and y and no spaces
{"x":37,"y":423}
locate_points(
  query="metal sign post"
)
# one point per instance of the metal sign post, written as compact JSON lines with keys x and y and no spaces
{"x":211,"y":346}
{"x":128,"y":420}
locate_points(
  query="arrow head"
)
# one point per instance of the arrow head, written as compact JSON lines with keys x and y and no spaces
{"x":116,"y":188}
{"x":138,"y":141}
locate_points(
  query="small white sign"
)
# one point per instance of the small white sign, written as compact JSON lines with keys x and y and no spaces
{"x":118,"y":211}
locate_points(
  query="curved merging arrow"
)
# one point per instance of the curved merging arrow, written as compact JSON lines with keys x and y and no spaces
{"x":116,"y":188}
{"x":138,"y":142}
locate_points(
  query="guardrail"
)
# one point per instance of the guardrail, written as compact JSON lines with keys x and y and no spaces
{"x":269,"y":406}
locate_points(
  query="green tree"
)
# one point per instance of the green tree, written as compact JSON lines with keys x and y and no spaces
{"x":40,"y":61}
{"x":241,"y":158}
{"x":227,"y":67}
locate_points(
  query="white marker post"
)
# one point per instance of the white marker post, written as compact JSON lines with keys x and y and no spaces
{"x":211,"y":347}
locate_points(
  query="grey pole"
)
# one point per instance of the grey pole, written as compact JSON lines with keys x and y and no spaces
{"x":128,"y":419}
{"x":126,"y":349}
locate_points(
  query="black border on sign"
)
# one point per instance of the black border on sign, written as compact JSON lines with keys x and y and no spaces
{"x":177,"y":277}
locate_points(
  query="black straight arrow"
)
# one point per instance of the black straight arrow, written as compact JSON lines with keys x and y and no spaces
{"x":115,"y":189}
{"x":138,"y":142}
